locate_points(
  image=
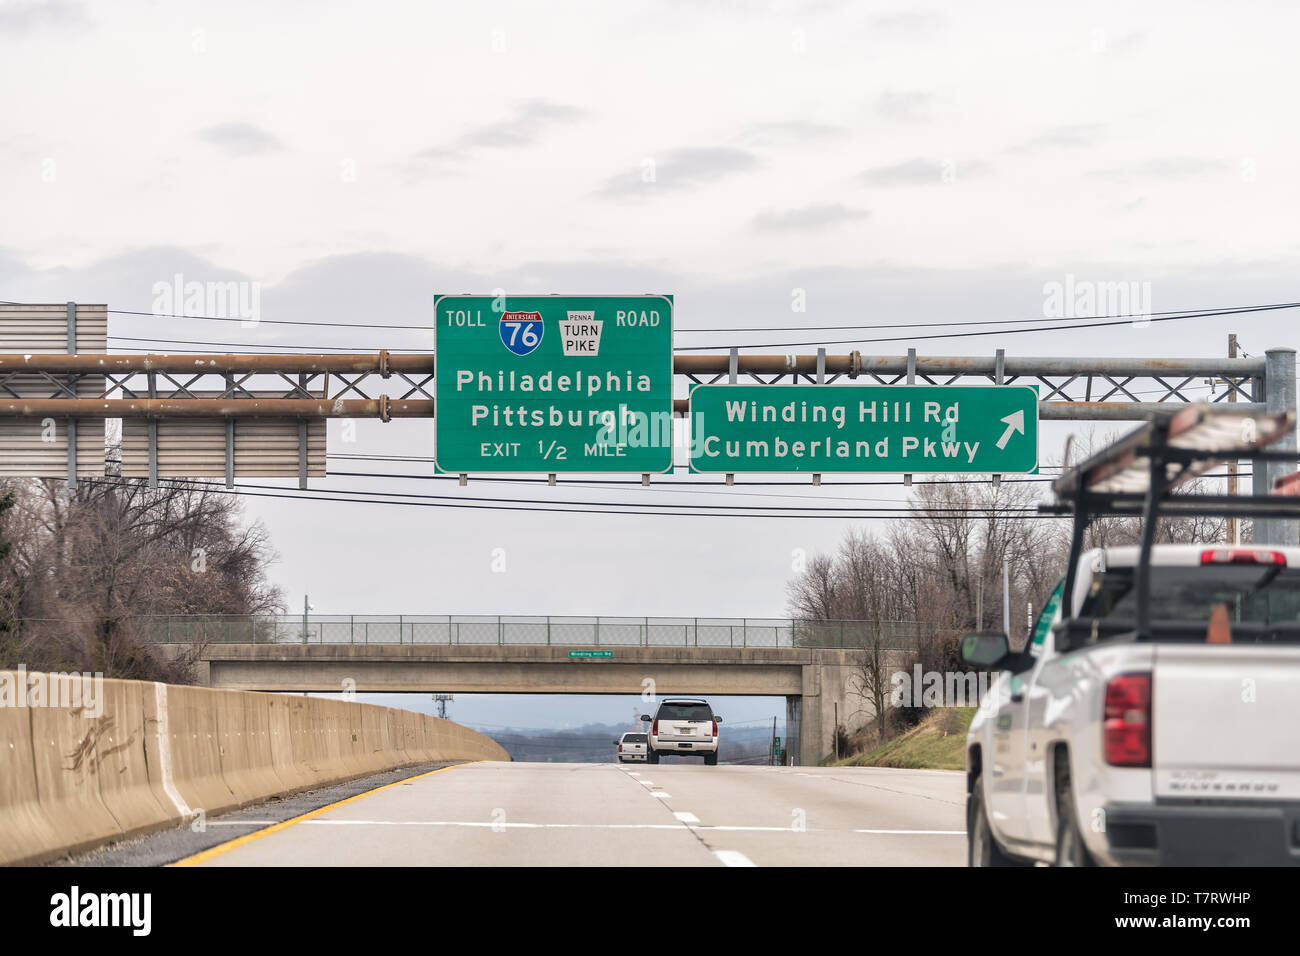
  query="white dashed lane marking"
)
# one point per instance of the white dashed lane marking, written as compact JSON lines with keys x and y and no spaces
{"x":733,"y":858}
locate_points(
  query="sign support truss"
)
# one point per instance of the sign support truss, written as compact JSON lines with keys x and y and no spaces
{"x":306,"y":387}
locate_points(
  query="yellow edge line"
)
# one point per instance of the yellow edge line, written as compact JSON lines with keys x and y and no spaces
{"x":221,"y":848}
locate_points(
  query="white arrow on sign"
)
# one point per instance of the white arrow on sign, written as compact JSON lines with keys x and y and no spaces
{"x":1015,"y":423}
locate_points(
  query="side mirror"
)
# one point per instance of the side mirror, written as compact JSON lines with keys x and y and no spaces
{"x":986,"y":649}
{"x":717,"y":719}
{"x":644,"y":717}
{"x":618,"y":741}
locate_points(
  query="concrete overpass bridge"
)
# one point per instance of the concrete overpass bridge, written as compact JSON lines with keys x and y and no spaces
{"x":808,"y":663}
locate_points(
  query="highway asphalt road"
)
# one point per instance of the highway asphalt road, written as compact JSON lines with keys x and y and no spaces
{"x":539,"y":814}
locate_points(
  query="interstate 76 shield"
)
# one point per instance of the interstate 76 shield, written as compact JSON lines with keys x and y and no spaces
{"x":553,"y":384}
{"x":521,"y":332}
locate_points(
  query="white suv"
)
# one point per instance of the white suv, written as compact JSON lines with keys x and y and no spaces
{"x":685,"y":727}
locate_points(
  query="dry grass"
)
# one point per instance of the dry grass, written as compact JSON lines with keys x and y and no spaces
{"x":937,"y":743}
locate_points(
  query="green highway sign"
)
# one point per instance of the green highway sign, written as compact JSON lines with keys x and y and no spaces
{"x":591,"y":653}
{"x":549,"y":383}
{"x":864,"y":428}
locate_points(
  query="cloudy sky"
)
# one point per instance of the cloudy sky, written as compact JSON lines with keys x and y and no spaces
{"x":889,"y":162}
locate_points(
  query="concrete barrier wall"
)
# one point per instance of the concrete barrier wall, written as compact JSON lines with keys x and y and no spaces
{"x":158,"y":755}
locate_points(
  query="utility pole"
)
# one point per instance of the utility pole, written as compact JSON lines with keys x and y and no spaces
{"x":1232,"y":465}
{"x":771,"y":746}
{"x":441,"y":700}
{"x":979,"y":603}
{"x":306,"y":606}
{"x":1006,"y":599}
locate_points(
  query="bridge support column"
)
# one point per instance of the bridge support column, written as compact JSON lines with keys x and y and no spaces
{"x":793,"y":728}
{"x":1279,"y":394}
{"x":824,"y":687}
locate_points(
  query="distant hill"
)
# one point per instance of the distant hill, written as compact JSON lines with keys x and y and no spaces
{"x":594,"y":743}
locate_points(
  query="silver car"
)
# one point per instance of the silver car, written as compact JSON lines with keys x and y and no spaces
{"x":632,"y":747}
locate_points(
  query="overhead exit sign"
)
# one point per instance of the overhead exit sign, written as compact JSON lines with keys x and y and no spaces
{"x":864,"y":428}
{"x":553,"y":383}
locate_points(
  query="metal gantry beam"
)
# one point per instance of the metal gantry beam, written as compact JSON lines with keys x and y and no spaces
{"x":1071,"y":388}
{"x":382,"y":385}
{"x":1074,"y":388}
{"x":382,"y":408}
{"x":171,"y":386}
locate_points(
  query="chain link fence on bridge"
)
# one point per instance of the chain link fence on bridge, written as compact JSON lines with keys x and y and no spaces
{"x":516,"y":629}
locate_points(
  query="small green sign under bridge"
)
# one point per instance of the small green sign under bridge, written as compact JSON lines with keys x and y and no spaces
{"x":591,"y":653}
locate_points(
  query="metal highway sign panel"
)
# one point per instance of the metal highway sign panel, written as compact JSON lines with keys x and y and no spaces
{"x":864,"y":428}
{"x":589,"y":654}
{"x":553,"y":384}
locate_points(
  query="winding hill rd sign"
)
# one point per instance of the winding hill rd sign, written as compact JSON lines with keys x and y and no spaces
{"x":864,"y":428}
{"x":553,"y":383}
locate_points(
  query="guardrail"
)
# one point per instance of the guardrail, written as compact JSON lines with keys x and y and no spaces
{"x":543,"y":630}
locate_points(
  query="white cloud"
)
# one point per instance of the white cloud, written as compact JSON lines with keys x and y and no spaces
{"x":790,"y":133}
{"x":28,"y":16}
{"x":923,"y":172}
{"x":239,"y":139}
{"x":1163,"y":169}
{"x":679,"y":169}
{"x":809,"y":218}
{"x":905,"y":106}
{"x":1076,"y":136}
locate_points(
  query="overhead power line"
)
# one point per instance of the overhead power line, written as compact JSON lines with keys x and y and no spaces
{"x":941,"y":509}
{"x":694,"y":487}
{"x":1180,"y":313}
{"x":1184,"y":313}
{"x":239,"y":345}
{"x":1088,"y":323}
{"x":961,"y":335}
{"x":1082,"y":323}
{"x":325,"y":325}
{"x":356,"y":496}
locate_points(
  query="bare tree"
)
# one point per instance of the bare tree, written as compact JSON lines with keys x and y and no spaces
{"x":812,"y":593}
{"x":1111,"y":531}
{"x":932,"y":570}
{"x":8,"y":601}
{"x":943,"y":568}
{"x":91,"y":565}
{"x":870,"y":682}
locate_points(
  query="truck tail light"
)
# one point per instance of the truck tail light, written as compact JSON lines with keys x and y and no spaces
{"x":1242,"y":556}
{"x":654,"y":728}
{"x":1127,"y":728}
{"x":620,"y":748}
{"x":715,"y":728}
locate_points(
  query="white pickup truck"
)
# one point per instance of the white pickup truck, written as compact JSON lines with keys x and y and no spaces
{"x":1172,"y":750}
{"x":1154,"y":717}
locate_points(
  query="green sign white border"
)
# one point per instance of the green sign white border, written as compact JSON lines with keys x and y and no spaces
{"x":438,"y":469}
{"x":724,"y":470}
